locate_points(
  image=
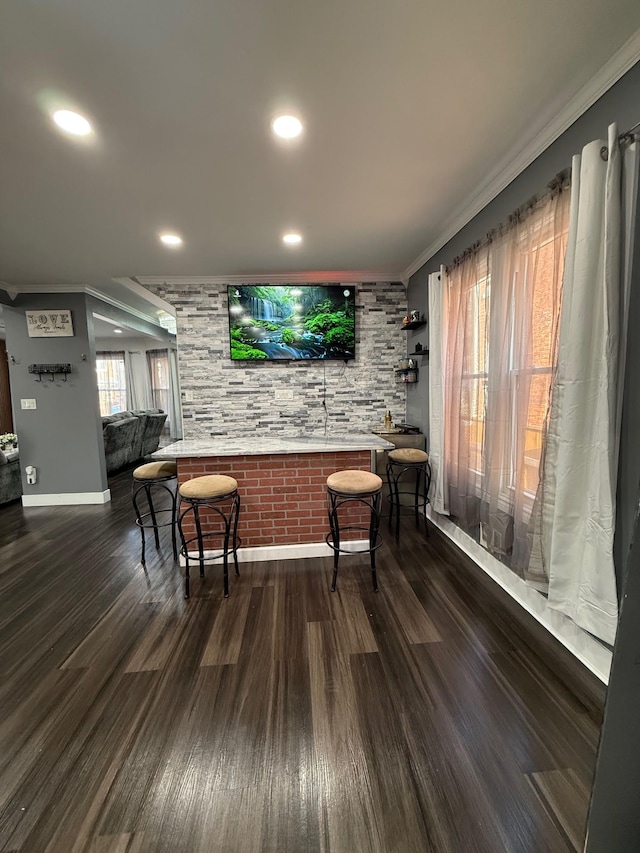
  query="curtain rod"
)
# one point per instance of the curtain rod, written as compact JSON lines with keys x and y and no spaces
{"x":629,"y":133}
{"x":560,"y":182}
{"x":555,"y":186}
{"x":623,"y":138}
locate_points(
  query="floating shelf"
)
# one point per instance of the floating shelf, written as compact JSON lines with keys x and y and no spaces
{"x":420,"y":352}
{"x":414,"y":324}
{"x":408,"y":375}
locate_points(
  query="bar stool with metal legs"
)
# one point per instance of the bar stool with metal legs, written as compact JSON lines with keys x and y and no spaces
{"x":399,"y":462}
{"x":354,"y":487}
{"x":218,"y":496}
{"x":148,"y":479}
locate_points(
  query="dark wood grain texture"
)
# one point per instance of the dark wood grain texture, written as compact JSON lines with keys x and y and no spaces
{"x":431,"y":716}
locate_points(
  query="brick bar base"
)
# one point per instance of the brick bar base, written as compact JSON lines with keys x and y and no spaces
{"x":283,"y":496}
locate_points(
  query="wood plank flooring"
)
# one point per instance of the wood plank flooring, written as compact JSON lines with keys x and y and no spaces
{"x":286,"y":718}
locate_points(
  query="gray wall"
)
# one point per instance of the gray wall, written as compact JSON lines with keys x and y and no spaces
{"x":620,"y":104}
{"x":224,"y":397}
{"x":62,"y":438}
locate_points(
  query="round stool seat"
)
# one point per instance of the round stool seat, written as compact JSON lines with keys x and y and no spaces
{"x":152,"y":470}
{"x":209,"y":486}
{"x":148,"y":483}
{"x":408,"y":455}
{"x":354,"y":482}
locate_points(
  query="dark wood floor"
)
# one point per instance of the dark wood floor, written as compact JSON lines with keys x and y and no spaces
{"x":424,"y":718}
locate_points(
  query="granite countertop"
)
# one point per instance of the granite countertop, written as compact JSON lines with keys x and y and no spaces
{"x":259,"y":445}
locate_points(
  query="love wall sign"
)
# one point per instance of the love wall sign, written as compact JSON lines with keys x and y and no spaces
{"x":49,"y":324}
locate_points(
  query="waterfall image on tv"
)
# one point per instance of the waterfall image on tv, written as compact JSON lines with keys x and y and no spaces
{"x":292,"y":322}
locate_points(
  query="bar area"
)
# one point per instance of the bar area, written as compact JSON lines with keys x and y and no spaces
{"x":282,"y":483}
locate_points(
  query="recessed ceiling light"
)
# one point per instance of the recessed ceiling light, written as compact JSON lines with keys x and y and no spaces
{"x":117,"y":331}
{"x":288,"y":127}
{"x":171,"y":240}
{"x":72,"y":122}
{"x":292,"y":239}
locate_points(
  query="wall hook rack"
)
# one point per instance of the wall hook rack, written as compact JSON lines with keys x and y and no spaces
{"x":50,"y":370}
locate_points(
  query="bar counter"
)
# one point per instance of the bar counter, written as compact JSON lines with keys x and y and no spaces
{"x":282,"y":483}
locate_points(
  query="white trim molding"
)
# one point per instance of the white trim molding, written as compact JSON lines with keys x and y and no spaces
{"x":259,"y":554}
{"x":518,"y":159}
{"x":150,"y":317}
{"x":589,"y":651}
{"x":67,"y":499}
{"x":136,"y":288}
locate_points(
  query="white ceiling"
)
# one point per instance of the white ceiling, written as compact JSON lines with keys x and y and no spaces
{"x":408,"y":108}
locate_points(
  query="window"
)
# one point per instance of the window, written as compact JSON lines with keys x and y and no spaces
{"x":474,"y":376}
{"x":112,"y":386}
{"x":501,"y":307}
{"x":158,"y":361}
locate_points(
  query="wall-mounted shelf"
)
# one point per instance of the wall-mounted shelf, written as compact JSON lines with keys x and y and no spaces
{"x":407,"y":375}
{"x":50,"y":370}
{"x":419,"y":352}
{"x":414,"y":324}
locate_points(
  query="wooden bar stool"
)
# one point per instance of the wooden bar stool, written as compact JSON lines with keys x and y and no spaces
{"x":399,"y":462}
{"x":218,"y":494}
{"x":354,"y":487}
{"x":147,"y":479}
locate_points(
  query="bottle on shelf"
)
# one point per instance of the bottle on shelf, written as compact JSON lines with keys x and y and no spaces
{"x":388,"y":422}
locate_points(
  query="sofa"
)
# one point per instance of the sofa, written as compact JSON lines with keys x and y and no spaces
{"x":10,"y":478}
{"x":129,"y":436}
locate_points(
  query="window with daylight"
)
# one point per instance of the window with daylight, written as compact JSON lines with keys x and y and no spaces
{"x":501,"y":308}
{"x":112,"y":386}
{"x":158,"y":361}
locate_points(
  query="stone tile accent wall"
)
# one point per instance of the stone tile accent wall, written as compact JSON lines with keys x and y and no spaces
{"x":221,"y":397}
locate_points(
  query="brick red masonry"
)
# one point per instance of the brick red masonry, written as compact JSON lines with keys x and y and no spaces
{"x":283,"y":496}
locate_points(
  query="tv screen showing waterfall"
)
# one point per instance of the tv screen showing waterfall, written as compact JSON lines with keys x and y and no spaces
{"x":292,"y":322}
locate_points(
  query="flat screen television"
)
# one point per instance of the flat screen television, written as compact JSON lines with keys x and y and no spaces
{"x":292,"y":322}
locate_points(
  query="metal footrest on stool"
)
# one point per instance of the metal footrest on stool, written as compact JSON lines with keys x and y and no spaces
{"x":399,"y":462}
{"x":354,"y":487}
{"x":217,"y":493}
{"x":155,"y":476}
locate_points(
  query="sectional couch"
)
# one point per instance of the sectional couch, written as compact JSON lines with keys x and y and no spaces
{"x":10,"y":480}
{"x":129,"y":436}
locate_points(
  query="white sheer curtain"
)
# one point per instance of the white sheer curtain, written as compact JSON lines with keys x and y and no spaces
{"x":573,"y":541}
{"x":437,"y":346}
{"x":158,"y":364}
{"x":138,"y":386}
{"x":500,"y":311}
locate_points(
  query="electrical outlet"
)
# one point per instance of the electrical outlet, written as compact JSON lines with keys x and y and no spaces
{"x":28,"y":404}
{"x":283,"y":394}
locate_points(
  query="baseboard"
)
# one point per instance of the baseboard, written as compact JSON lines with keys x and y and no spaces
{"x":67,"y":499}
{"x":591,"y":653}
{"x":262,"y":553}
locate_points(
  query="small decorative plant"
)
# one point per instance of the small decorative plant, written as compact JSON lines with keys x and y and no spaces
{"x":8,"y":439}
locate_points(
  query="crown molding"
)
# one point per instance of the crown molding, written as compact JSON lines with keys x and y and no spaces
{"x":323,"y":276}
{"x":122,"y":306}
{"x":514,"y":163}
{"x":96,"y":293}
{"x":28,"y":287}
{"x":138,"y":290}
